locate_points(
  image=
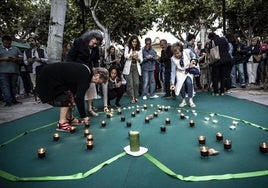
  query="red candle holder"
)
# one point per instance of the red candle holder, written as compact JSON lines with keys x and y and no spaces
{"x":227,"y":144}
{"x":86,"y":132}
{"x":90,"y":145}
{"x":41,"y":153}
{"x":155,"y":114}
{"x":167,"y":121}
{"x":219,"y":136}
{"x":90,"y":137}
{"x":123,"y":118}
{"x":147,"y":119}
{"x":128,"y":124}
{"x":137,"y":110}
{"x":163,"y":128}
{"x":103,"y":123}
{"x":204,"y":151}
{"x":133,"y":114}
{"x":202,"y":140}
{"x":182,"y":116}
{"x":263,"y":147}
{"x":56,"y":137}
{"x":119,"y":111}
{"x":72,"y":129}
{"x":191,"y":123}
{"x":145,"y":107}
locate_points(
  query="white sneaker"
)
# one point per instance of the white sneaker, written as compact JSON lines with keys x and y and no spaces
{"x":144,"y":97}
{"x":183,"y":104}
{"x":154,"y":96}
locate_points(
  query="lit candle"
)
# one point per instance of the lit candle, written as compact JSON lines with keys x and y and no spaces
{"x":204,"y":151}
{"x":160,"y":108}
{"x":147,"y":119}
{"x":191,"y":123}
{"x":109,"y":115}
{"x":227,"y":144}
{"x":119,"y":111}
{"x":86,"y":132}
{"x":90,"y":137}
{"x":133,"y":114}
{"x":128,"y":124}
{"x":219,"y":136}
{"x":155,"y":114}
{"x":202,"y":140}
{"x":145,"y":107}
{"x":167,"y":121}
{"x":72,"y":129}
{"x":182,"y":116}
{"x":123,"y":118}
{"x":264,"y":147}
{"x":137,"y":110}
{"x":86,"y":124}
{"x":166,"y":108}
{"x":56,"y":137}
{"x":134,"y":141}
{"x":89,"y":145}
{"x":163,"y":128}
{"x":103,"y":123}
{"x":41,"y":153}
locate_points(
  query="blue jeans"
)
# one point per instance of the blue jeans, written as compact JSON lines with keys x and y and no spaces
{"x":148,"y":81}
{"x":240,"y":68}
{"x":187,"y":86}
{"x":8,"y":83}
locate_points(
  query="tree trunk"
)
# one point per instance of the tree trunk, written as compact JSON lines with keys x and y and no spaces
{"x":56,"y":28}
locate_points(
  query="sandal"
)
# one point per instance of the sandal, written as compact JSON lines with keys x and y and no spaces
{"x":75,"y":121}
{"x":64,"y":127}
{"x":92,"y":113}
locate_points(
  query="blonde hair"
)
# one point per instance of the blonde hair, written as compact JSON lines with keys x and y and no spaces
{"x":103,"y":72}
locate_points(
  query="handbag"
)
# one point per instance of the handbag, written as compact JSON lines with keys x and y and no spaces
{"x":193,"y":70}
{"x":214,"y":53}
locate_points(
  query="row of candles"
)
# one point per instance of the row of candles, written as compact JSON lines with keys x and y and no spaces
{"x":202,"y":139}
{"x":41,"y":152}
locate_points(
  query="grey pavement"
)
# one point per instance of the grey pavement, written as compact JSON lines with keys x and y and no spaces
{"x":29,"y":106}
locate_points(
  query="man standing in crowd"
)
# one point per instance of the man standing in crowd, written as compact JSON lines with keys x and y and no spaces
{"x":10,"y":56}
{"x":165,"y":60}
{"x":34,"y":58}
{"x":148,"y":68}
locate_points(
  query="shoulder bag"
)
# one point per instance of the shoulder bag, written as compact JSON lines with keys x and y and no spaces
{"x":214,"y":53}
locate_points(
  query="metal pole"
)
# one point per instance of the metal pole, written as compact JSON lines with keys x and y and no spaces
{"x":223,"y":17}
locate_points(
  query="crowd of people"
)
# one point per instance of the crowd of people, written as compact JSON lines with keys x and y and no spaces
{"x":138,"y":71}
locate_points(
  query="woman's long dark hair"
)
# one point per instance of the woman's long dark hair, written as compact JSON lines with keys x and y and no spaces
{"x":129,"y":44}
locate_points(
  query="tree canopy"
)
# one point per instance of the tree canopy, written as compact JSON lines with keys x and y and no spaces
{"x":123,"y":18}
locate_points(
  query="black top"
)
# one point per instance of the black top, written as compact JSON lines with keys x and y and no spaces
{"x":59,"y":77}
{"x":81,"y":53}
{"x":166,"y":58}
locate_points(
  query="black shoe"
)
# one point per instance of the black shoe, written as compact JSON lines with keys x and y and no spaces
{"x":243,"y":86}
{"x":8,"y":104}
{"x":16,"y":102}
